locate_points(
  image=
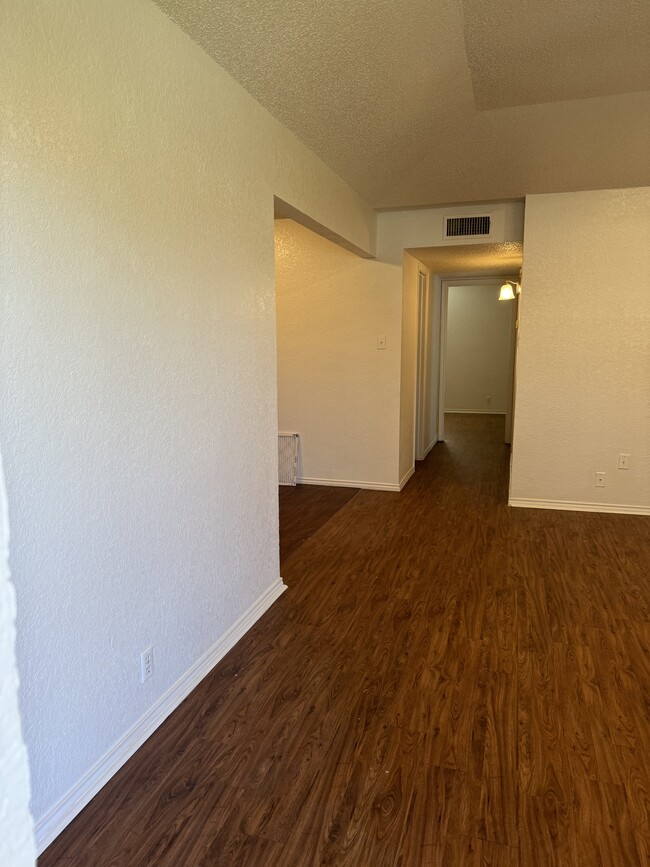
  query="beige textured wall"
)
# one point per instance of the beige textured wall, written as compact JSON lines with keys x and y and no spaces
{"x":335,"y":387}
{"x":408,"y":373}
{"x":433,"y":411}
{"x":424,"y":227}
{"x":478,"y":350}
{"x":17,"y":847}
{"x":583,"y":372}
{"x":139,"y":412}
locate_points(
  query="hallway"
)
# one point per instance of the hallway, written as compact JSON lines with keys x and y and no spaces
{"x":447,"y":681}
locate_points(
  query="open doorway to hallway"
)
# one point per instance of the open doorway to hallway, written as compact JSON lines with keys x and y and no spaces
{"x":483,"y":345}
{"x":477,"y":351}
{"x":475,"y":336}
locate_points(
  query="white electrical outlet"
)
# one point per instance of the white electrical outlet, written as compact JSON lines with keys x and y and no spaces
{"x":381,"y":342}
{"x":488,"y":399}
{"x":623,"y":462}
{"x":146,"y":664}
{"x":600,"y":480}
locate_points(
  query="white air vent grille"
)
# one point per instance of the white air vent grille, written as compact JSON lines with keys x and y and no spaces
{"x":475,"y":225}
{"x":288,"y":458}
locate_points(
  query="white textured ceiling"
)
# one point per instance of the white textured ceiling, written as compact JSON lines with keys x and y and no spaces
{"x":469,"y":259}
{"x":424,"y":102}
{"x":530,"y":51}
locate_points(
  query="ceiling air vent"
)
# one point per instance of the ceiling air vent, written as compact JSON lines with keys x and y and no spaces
{"x":476,"y":225}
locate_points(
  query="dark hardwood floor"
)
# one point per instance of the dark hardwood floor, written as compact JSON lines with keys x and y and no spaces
{"x":446,"y":682}
{"x":304,"y":509}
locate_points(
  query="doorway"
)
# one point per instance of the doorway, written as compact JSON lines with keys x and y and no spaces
{"x":477,"y":350}
{"x":432,"y":367}
{"x":426,"y":434}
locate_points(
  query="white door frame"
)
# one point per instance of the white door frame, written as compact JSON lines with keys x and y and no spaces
{"x":471,"y":280}
{"x":422,"y":373}
{"x":510,"y":410}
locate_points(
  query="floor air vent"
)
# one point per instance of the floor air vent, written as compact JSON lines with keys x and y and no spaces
{"x":288,"y":458}
{"x":476,"y":225}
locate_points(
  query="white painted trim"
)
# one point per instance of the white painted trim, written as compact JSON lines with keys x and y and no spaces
{"x":477,"y":411}
{"x":407,"y":476}
{"x":569,"y":506}
{"x":63,"y":812}
{"x":429,"y":447}
{"x":512,"y":360}
{"x":423,"y":353}
{"x":348,"y":483}
{"x":442,"y":357}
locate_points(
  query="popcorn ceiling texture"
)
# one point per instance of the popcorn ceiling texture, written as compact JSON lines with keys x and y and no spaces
{"x":484,"y":259}
{"x":139,"y":422}
{"x":392,"y":95}
{"x":529,"y":52}
{"x":16,"y":833}
{"x":583,"y":364}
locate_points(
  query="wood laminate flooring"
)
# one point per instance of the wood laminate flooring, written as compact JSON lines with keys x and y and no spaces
{"x":447,"y":682}
{"x":304,"y":509}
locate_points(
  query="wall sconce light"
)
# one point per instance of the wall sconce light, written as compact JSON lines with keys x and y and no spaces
{"x":506,"y":293}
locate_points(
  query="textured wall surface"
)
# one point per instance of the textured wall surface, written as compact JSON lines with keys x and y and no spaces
{"x":408,"y":373}
{"x":424,"y":227}
{"x":16,"y":833}
{"x":478,"y":350}
{"x":583,"y":367}
{"x":335,"y":387}
{"x":433,"y":409}
{"x":138,"y":359}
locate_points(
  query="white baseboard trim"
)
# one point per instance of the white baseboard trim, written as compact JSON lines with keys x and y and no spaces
{"x":429,"y":447}
{"x":406,"y":477}
{"x":427,"y":450}
{"x":568,"y":506}
{"x":49,"y":826}
{"x":476,"y":411}
{"x":347,"y":483}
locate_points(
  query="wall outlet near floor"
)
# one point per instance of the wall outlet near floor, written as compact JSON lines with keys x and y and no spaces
{"x":488,"y":399}
{"x":623,"y":462}
{"x":600,"y":480}
{"x":146,"y":664}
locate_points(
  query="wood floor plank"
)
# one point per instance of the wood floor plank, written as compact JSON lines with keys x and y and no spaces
{"x":239,"y":850}
{"x":500,"y":758}
{"x":439,"y":807}
{"x":602,"y":829}
{"x":544,"y":769}
{"x":497,"y":818}
{"x":446,"y":682}
{"x":370,"y":822}
{"x":545,"y":832}
{"x":304,"y":509}
{"x":467,"y":852}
